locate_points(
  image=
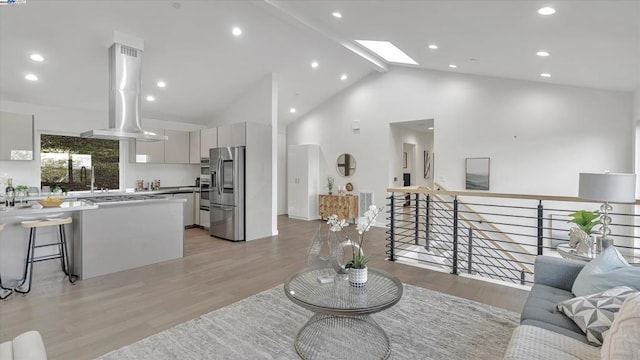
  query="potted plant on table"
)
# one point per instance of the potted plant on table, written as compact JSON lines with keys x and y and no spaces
{"x":330,"y":181}
{"x":357,"y":266}
{"x":579,"y":237}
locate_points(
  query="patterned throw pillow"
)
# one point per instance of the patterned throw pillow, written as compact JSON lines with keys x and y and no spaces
{"x":594,"y":313}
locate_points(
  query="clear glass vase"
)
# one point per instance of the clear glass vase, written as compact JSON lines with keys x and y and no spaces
{"x":328,"y":251}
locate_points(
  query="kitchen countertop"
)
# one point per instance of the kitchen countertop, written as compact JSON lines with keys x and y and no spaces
{"x":98,"y":193}
{"x":36,"y":209}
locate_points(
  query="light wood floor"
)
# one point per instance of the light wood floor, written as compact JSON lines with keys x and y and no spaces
{"x":95,"y":316}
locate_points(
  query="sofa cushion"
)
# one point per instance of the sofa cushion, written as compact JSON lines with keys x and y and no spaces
{"x":542,"y":304}
{"x":607,"y":270}
{"x":557,"y":272}
{"x":594,"y":313}
{"x":6,"y":350}
{"x":623,"y":339}
{"x":29,"y":346}
{"x":534,"y":343}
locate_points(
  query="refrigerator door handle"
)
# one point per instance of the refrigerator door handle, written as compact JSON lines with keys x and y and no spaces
{"x":219,"y":171}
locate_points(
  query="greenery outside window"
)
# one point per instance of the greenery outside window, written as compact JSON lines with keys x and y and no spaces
{"x":67,"y":162}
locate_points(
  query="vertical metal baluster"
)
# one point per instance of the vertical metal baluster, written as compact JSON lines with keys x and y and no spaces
{"x":428,"y":230}
{"x":417,"y":214}
{"x":392,"y":233}
{"x":540,"y":226}
{"x":455,"y":236}
{"x":470,"y":254}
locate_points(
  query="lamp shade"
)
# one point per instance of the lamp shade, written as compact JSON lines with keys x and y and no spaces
{"x":608,"y":187}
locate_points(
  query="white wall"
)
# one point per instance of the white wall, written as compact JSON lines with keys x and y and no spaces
{"x":253,"y":106}
{"x":636,"y":105}
{"x":63,"y":121}
{"x":538,"y":136}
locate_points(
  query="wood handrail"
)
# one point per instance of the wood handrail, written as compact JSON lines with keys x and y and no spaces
{"x":426,"y":190}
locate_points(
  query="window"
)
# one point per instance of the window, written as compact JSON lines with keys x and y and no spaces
{"x":67,"y":162}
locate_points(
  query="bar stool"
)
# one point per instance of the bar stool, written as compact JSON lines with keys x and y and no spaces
{"x":2,"y":288}
{"x":63,"y":254}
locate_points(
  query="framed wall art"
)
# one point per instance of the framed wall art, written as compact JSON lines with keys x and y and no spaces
{"x":426,"y":160}
{"x":477,"y":173}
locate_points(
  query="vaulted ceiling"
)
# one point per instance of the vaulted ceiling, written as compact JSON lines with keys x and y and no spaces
{"x":189,"y":45}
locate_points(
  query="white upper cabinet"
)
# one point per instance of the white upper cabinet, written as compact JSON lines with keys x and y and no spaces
{"x":194,"y":147}
{"x":208,"y":140}
{"x":176,"y":149}
{"x":232,"y":135}
{"x":16,"y":136}
{"x":149,"y":152}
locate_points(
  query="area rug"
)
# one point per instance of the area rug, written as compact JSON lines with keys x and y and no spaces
{"x":425,"y":324}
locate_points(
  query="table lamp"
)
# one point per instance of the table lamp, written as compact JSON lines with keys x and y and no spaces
{"x":607,"y":187}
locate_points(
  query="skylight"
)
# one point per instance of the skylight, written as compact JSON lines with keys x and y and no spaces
{"x":387,"y":51}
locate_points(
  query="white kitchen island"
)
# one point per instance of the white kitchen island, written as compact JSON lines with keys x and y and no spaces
{"x":103,"y":238}
{"x":124,"y":235}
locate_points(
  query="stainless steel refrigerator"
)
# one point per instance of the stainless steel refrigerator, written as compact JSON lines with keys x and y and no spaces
{"x":227,"y":210}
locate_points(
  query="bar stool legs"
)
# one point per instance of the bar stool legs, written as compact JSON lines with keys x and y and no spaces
{"x":28,"y":266}
{"x":63,"y":254}
{"x":4,"y":292}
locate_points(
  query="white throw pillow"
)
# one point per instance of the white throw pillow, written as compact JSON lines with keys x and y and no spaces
{"x":609,"y":269}
{"x":623,"y":339}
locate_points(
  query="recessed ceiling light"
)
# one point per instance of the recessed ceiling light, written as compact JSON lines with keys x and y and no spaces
{"x":236,"y":31}
{"x":453,"y":66}
{"x":387,"y":51}
{"x":543,"y":53}
{"x":292,"y":110}
{"x":343,"y":77}
{"x":36,"y":57}
{"x":337,"y":15}
{"x":150,"y":98}
{"x":314,"y":64}
{"x":31,"y":77}
{"x":161,"y":84}
{"x":546,"y":11}
{"x":430,"y":128}
{"x":433,"y":47}
{"x":545,"y":75}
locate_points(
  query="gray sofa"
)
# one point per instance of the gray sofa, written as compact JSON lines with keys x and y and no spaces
{"x":553,"y":280}
{"x":545,"y":332}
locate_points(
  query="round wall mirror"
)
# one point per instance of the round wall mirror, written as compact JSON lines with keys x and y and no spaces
{"x":346,"y":165}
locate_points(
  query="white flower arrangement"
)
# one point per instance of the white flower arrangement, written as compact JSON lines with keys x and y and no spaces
{"x":363,"y":224}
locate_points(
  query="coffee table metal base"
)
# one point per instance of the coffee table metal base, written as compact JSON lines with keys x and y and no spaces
{"x":340,"y":337}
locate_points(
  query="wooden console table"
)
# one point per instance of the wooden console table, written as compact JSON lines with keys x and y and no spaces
{"x":345,"y":206}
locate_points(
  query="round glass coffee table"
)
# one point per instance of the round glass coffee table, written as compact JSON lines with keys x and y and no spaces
{"x":341,"y":326}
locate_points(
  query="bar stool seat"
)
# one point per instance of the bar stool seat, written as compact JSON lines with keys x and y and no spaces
{"x":3,"y":290}
{"x":62,"y":254}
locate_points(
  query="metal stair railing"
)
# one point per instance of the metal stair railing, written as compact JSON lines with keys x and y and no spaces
{"x":495,"y":235}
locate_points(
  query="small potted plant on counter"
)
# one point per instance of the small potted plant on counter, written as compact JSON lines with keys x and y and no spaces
{"x":21,"y":192}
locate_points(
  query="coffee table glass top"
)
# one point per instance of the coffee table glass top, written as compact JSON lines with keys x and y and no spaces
{"x":338,"y":297}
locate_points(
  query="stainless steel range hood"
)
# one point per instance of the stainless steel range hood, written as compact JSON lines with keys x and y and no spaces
{"x":124,"y":98}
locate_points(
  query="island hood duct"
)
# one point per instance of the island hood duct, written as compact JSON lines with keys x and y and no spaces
{"x":124,"y":98}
